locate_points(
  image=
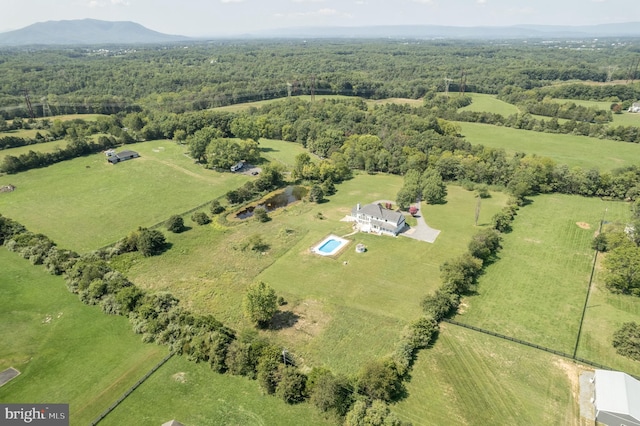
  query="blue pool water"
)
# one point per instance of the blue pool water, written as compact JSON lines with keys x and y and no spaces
{"x":329,"y":246}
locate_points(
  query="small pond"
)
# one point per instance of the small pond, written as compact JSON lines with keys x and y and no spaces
{"x":281,"y":199}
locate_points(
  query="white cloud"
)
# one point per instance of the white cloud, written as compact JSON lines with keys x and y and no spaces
{"x":481,"y":2}
{"x":231,"y":1}
{"x":424,"y":1}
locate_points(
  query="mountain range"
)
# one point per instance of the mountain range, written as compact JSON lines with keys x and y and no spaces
{"x":96,"y":32}
{"x":85,"y":32}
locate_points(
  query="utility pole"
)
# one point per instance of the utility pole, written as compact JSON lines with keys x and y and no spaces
{"x":463,"y":82}
{"x":447,"y":82}
{"x":313,"y":88}
{"x":289,"y":86}
{"x":28,"y":102}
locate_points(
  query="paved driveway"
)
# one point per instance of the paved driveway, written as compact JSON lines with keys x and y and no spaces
{"x":421,"y":231}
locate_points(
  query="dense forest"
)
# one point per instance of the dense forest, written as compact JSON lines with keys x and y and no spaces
{"x":203,"y":75}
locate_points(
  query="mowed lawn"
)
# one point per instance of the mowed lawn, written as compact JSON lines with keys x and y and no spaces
{"x":469,"y":378}
{"x":351,"y":301}
{"x":195,"y":395}
{"x":571,"y":150}
{"x":282,"y":152}
{"x":67,"y":352}
{"x":87,"y":203}
{"x":536,"y":290}
{"x":489,"y":103}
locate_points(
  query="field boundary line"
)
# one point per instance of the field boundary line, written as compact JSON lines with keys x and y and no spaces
{"x":533,"y":345}
{"x":129,"y":391}
{"x":586,"y":300}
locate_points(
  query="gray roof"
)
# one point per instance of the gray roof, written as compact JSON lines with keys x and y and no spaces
{"x":376,"y":211}
{"x":172,"y":423}
{"x":617,"y":392}
{"x":126,"y":153}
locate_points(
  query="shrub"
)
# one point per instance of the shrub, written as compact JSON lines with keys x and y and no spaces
{"x":292,"y":385}
{"x":379,"y":379}
{"x":260,"y":304}
{"x":600,"y":243}
{"x":175,"y":224}
{"x":216,"y":207}
{"x":200,"y":218}
{"x":261,"y":214}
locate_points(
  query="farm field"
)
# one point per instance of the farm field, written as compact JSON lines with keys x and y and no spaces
{"x":571,"y":150}
{"x":489,"y":103}
{"x":624,"y":119}
{"x":541,"y":277}
{"x":66,"y":352}
{"x":474,"y":379}
{"x":194,"y":395}
{"x":363,"y":303}
{"x":56,"y":200}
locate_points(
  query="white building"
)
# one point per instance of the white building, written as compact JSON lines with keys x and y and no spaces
{"x":375,"y":218}
{"x":617,"y":398}
{"x":635,"y":107}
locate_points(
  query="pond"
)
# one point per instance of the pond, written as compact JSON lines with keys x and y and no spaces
{"x":281,"y":199}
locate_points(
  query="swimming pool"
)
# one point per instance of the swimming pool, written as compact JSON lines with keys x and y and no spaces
{"x":330,"y":245}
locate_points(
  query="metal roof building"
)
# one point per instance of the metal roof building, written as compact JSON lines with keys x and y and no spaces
{"x":617,"y":398}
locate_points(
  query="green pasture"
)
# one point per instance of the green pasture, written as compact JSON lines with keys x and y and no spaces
{"x":571,"y":150}
{"x":39,"y":147}
{"x":86,"y":203}
{"x":489,"y":103}
{"x":24,"y":133}
{"x":606,"y":312}
{"x":281,"y":151}
{"x":469,"y":378}
{"x":66,"y":352}
{"x":624,"y":119}
{"x":352,"y":300}
{"x":194,"y":395}
{"x":535,"y":291}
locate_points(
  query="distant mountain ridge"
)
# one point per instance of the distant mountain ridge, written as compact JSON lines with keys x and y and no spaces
{"x":85,"y":32}
{"x":627,"y":29}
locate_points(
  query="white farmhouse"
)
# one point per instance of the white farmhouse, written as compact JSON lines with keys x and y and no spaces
{"x":635,"y":107}
{"x":375,"y":218}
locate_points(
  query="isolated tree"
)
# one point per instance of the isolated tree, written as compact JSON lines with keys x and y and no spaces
{"x":316,"y":194}
{"x":261,"y":214}
{"x":175,"y":224}
{"x":626,"y":340}
{"x":260,"y":303}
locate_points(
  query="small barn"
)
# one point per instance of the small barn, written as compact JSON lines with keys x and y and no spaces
{"x":617,"y":398}
{"x":122,"y":156}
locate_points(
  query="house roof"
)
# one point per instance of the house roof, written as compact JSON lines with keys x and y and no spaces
{"x":126,"y":153}
{"x":172,"y":423}
{"x":376,"y":211}
{"x":617,"y":392}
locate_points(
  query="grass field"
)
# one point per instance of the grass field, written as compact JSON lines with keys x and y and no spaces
{"x":564,"y":149}
{"x":281,"y":151}
{"x":489,"y":103}
{"x":363,"y":303}
{"x":40,"y":147}
{"x":67,"y":352}
{"x":624,"y":119}
{"x":469,"y":378}
{"x":536,"y":290}
{"x":194,"y":395}
{"x":86,"y":203}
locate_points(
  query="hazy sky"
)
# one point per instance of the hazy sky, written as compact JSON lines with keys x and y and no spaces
{"x":229,"y":17}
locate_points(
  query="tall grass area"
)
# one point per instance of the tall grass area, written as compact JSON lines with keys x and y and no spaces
{"x":194,"y":395}
{"x":572,"y":150}
{"x":536,"y":290}
{"x":469,"y":378}
{"x":489,"y":103}
{"x":349,"y":308}
{"x":86,"y":203}
{"x":67,"y":352}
